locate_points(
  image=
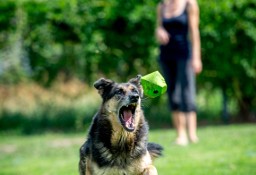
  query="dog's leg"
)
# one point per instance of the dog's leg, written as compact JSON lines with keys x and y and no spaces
{"x":88,"y":168}
{"x":150,"y":170}
{"x":82,"y":167}
{"x":83,"y":162}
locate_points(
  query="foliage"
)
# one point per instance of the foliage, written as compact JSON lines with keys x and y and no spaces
{"x":41,"y":39}
{"x":228,"y":150}
{"x":29,"y":108}
{"x":228,"y":34}
{"x":79,"y":38}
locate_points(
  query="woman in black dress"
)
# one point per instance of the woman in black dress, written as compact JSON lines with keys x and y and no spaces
{"x":180,"y":58}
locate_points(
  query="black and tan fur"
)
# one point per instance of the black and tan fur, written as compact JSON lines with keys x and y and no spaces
{"x":117,"y":140}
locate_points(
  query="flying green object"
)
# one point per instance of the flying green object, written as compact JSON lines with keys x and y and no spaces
{"x":153,"y":84}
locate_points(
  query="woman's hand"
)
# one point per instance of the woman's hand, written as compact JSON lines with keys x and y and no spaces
{"x":162,"y":36}
{"x":197,"y":65}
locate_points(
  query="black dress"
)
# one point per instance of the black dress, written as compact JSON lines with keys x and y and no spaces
{"x":175,"y":60}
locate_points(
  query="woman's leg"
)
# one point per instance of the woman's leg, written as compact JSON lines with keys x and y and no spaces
{"x":179,"y":121}
{"x":192,"y":126}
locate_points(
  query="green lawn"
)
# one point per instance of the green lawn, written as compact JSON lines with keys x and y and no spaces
{"x":222,"y":150}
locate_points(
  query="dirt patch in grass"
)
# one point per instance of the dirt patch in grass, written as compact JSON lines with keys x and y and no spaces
{"x":65,"y":143}
{"x":8,"y":149}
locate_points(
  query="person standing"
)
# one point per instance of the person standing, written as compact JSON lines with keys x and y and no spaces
{"x":178,"y":34}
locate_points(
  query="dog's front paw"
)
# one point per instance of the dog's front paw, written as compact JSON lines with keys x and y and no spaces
{"x":150,"y":170}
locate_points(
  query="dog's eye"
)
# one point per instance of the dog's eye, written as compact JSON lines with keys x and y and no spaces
{"x":119,"y":91}
{"x":134,"y":90}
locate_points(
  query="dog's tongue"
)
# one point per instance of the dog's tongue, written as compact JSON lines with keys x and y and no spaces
{"x":127,"y":115}
{"x":128,"y":118}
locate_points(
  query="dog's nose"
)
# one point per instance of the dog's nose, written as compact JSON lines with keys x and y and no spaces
{"x":134,"y":98}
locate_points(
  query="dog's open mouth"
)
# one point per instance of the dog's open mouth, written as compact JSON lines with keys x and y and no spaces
{"x":126,"y":115}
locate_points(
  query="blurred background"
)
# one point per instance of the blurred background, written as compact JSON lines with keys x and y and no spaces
{"x":51,"y":52}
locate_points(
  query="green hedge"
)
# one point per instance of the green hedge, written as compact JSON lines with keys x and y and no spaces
{"x":40,"y":39}
{"x":228,"y":32}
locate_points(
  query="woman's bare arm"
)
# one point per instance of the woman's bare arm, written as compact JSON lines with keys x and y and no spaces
{"x":193,"y":13}
{"x":161,"y":34}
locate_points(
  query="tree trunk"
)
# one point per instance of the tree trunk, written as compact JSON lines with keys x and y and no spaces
{"x":244,"y":109}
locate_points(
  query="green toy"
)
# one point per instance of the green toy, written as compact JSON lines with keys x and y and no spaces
{"x":153,"y":84}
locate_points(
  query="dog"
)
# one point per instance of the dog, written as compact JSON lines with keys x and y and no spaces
{"x":117,"y":142}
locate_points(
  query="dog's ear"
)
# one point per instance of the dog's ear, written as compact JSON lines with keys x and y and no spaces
{"x":103,"y":85}
{"x":136,"y":82}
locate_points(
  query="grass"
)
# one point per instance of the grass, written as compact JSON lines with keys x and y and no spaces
{"x":222,"y":150}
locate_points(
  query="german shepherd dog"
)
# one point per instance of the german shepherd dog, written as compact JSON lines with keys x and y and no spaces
{"x":117,"y":139}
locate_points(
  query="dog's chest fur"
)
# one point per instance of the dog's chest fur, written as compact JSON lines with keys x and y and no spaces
{"x":136,"y":167}
{"x":117,"y":152}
